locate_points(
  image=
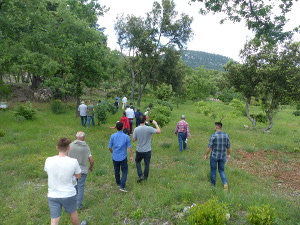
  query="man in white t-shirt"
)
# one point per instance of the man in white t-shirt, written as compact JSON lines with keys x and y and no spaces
{"x":62,"y":171}
{"x":83,"y":113}
{"x":124,"y":101}
{"x":130,"y":115}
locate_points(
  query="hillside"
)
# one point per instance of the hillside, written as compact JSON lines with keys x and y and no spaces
{"x":196,"y":59}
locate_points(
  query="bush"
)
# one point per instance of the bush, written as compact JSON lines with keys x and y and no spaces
{"x":160,"y":102}
{"x":239,"y":106}
{"x":164,"y":92}
{"x":101,"y":109}
{"x":228,"y":95}
{"x":161,"y":114}
{"x":2,"y":133}
{"x":297,"y":113}
{"x":260,"y":118}
{"x":261,"y":215}
{"x":298,"y":107}
{"x":5,"y":90}
{"x":211,"y":212}
{"x":25,"y":111}
{"x":57,"y":106}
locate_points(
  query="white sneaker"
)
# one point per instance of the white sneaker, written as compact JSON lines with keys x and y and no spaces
{"x":123,"y":190}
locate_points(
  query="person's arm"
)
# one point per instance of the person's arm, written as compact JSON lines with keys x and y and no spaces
{"x":91,"y":163}
{"x":78,"y":176}
{"x":176,"y":130}
{"x":188,"y":131}
{"x":158,"y":131}
{"x":207,"y":153}
{"x":228,"y":153}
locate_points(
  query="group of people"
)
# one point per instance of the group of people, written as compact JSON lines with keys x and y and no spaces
{"x":67,"y":172}
{"x":86,"y":113}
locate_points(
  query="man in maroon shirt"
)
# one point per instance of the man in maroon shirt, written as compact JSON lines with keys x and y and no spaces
{"x":183,"y":133}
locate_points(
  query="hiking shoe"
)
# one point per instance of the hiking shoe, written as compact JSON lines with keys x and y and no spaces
{"x":140,"y":179}
{"x":123,"y":190}
{"x":225,"y":187}
{"x":84,"y":222}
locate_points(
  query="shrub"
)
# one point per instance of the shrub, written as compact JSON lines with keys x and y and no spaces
{"x":239,"y":106}
{"x":211,"y":212}
{"x":160,"y":102}
{"x":137,"y":214}
{"x":57,"y":106}
{"x":101,"y":109}
{"x":261,"y":215}
{"x":5,"y":90}
{"x":260,"y":118}
{"x":161,"y":114}
{"x":25,"y":111}
{"x":164,"y":92}
{"x":2,"y":133}
{"x":228,"y":95}
{"x":298,"y":107}
{"x":297,"y":113}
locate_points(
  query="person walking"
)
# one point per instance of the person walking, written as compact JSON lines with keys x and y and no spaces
{"x":80,"y":150}
{"x":219,"y":142}
{"x":90,"y":114}
{"x":137,"y":115}
{"x":118,"y":144}
{"x":124,"y":102}
{"x":183,"y":133}
{"x":61,"y":191}
{"x":82,"y":112}
{"x":142,"y":134}
{"x":130,"y":115}
{"x":126,"y":124}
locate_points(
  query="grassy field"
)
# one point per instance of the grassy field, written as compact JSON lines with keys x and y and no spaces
{"x":176,"y":179}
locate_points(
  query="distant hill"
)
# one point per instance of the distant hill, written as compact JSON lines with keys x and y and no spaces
{"x":196,"y":59}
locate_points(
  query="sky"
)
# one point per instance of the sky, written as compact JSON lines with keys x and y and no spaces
{"x":209,"y":35}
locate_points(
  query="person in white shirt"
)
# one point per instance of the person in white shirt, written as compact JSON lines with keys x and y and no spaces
{"x":62,"y":171}
{"x":130,"y":115}
{"x":83,"y":115}
{"x":124,"y":101}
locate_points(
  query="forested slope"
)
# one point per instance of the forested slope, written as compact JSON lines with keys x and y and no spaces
{"x":196,"y":59}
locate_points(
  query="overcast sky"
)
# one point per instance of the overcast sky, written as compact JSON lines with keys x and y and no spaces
{"x":209,"y":35}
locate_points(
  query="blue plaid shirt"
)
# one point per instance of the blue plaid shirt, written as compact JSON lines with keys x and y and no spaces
{"x":219,"y":142}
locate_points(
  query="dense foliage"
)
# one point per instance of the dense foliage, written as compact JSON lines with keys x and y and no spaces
{"x":26,"y":111}
{"x":261,"y":215}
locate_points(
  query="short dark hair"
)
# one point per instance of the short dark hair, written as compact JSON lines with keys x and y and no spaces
{"x":124,"y":113}
{"x":219,"y":124}
{"x":142,"y":118}
{"x":119,"y":126}
{"x":63,"y":144}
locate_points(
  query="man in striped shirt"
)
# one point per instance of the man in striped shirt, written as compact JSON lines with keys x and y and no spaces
{"x":218,"y":144}
{"x":183,"y":133}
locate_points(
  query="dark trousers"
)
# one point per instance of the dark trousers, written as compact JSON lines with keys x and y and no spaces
{"x":130,"y":122}
{"x":83,"y":120}
{"x":139,"y":157}
{"x":123,"y":166}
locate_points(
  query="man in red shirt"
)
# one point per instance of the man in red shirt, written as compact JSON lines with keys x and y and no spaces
{"x":183,"y":133}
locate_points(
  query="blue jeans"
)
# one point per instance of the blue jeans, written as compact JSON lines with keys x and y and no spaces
{"x":89,"y":118}
{"x":83,"y":120}
{"x":123,"y":165}
{"x":80,"y":190}
{"x":213,"y":170}
{"x":181,"y":140}
{"x":139,"y":157}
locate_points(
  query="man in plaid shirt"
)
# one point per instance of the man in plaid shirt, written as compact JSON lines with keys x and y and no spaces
{"x":218,"y":144}
{"x":183,"y":133}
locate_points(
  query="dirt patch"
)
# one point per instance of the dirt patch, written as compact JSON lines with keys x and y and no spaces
{"x":283,"y":167}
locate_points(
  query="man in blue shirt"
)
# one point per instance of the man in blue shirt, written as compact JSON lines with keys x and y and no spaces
{"x":118,"y":144}
{"x":218,"y":144}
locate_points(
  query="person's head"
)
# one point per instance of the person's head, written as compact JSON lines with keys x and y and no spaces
{"x":218,"y":125}
{"x":127,"y":106}
{"x":138,"y":109}
{"x":148,"y":109}
{"x":119,"y":126}
{"x":124,"y":113}
{"x":82,"y":102}
{"x":130,"y":104}
{"x":183,"y":117}
{"x":63,"y":144}
{"x":80,"y":135}
{"x":142,"y":118}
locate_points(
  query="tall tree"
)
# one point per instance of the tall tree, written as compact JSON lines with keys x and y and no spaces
{"x":145,"y":40}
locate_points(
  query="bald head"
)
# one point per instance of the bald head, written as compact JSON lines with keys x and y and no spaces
{"x":80,"y":135}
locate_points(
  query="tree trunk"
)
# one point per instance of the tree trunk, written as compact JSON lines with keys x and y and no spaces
{"x":253,"y":121}
{"x":35,"y":81}
{"x":270,"y":118}
{"x":132,"y":84}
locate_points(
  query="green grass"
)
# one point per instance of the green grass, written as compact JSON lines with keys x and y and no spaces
{"x":176,"y":179}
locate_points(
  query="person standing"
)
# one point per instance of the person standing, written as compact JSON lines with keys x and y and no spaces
{"x":130,"y":115}
{"x":137,"y":115}
{"x":219,"y":142}
{"x":126,"y":123}
{"x":183,"y":133}
{"x":124,"y":102}
{"x":82,"y":112}
{"x":142,"y":134}
{"x":61,"y":191}
{"x":90,"y":114}
{"x":118,"y":145}
{"x":80,"y":150}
